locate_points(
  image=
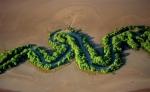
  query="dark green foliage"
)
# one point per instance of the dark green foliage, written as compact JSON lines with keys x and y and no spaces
{"x":73,"y":43}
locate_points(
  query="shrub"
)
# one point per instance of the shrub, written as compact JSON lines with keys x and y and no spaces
{"x":66,"y":45}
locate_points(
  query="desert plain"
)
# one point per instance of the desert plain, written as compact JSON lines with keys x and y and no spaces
{"x":29,"y":21}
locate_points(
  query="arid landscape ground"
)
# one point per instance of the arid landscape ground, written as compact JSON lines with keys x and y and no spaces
{"x":29,"y":21}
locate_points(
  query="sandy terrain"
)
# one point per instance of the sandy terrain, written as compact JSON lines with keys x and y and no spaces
{"x":30,"y":21}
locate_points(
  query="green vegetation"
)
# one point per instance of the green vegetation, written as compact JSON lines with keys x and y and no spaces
{"x":73,"y":43}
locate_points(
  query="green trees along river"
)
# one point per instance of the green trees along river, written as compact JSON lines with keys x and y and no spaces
{"x":70,"y":43}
